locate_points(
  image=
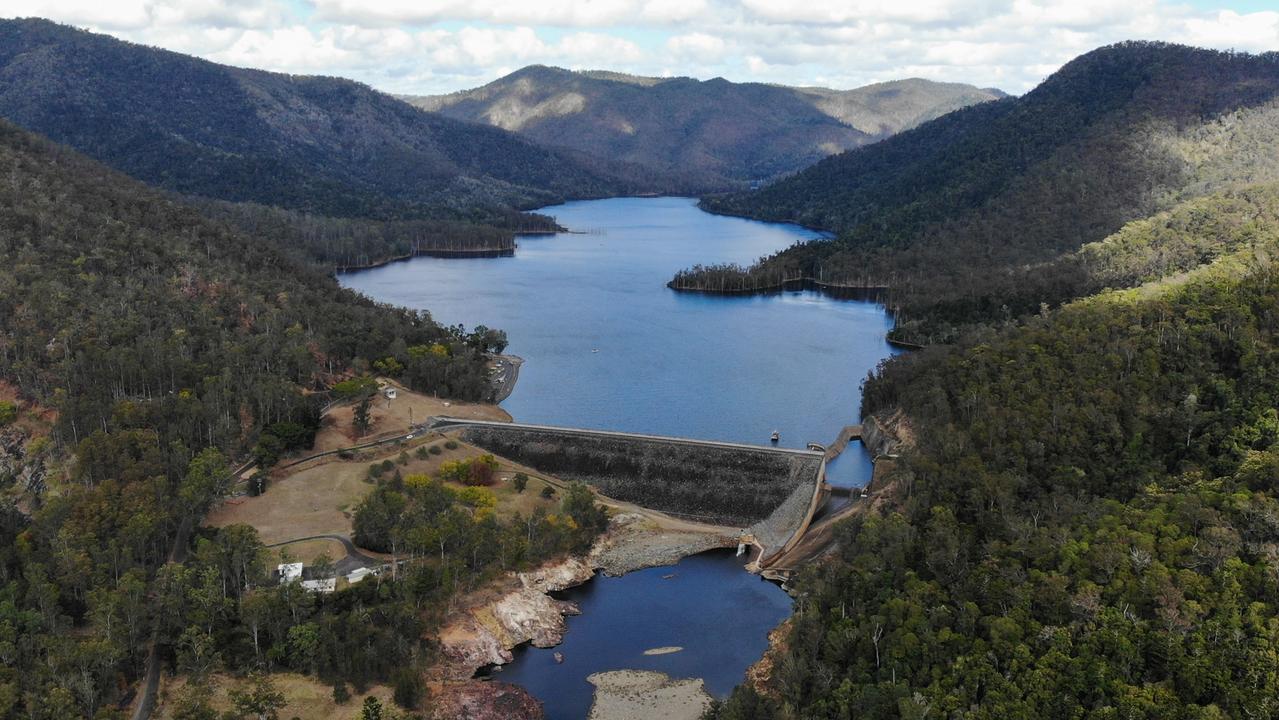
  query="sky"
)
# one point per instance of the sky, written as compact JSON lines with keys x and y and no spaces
{"x":439,"y":46}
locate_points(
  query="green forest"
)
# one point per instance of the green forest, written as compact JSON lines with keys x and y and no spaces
{"x":1088,"y":524}
{"x":158,"y":346}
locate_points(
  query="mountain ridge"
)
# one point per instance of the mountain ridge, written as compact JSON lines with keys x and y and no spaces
{"x":954,"y":214}
{"x":730,"y":132}
{"x":306,"y":143}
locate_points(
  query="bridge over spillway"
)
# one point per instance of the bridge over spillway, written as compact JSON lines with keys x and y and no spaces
{"x":771,"y":493}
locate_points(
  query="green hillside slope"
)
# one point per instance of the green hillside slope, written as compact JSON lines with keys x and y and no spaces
{"x":960,"y":215}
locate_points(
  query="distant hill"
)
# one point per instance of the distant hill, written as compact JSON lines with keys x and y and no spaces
{"x":314,"y":144}
{"x":719,"y":131}
{"x":968,"y":218}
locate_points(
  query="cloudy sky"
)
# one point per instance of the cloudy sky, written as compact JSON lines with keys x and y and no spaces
{"x":435,"y":46}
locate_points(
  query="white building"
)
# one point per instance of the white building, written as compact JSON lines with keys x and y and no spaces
{"x":289,"y":572}
{"x":327,"y":585}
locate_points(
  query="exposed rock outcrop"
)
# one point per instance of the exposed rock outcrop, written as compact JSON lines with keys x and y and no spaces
{"x":887,"y":433}
{"x":17,"y":466}
{"x":485,"y":635}
{"x":493,"y":700}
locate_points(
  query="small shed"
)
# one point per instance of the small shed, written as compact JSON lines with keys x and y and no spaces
{"x":389,"y":393}
{"x":358,"y":574}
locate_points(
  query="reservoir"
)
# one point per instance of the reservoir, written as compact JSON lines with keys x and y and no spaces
{"x":607,"y":345}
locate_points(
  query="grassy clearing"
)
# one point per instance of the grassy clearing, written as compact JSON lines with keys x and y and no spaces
{"x":321,"y":499}
{"x":306,"y":697}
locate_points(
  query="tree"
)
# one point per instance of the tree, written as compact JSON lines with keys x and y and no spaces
{"x":197,"y":654}
{"x":206,"y":480}
{"x":520,"y":481}
{"x":408,"y":688}
{"x":372,"y":709}
{"x":304,"y":644}
{"x":193,"y":702}
{"x":579,"y":504}
{"x":260,"y":701}
{"x":8,"y":412}
{"x":361,"y":419}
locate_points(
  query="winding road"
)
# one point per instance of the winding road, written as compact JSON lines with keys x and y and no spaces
{"x":354,"y":557}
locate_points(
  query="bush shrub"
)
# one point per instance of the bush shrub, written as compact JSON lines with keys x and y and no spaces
{"x":408,"y":688}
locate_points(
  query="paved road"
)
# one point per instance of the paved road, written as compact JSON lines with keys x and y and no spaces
{"x":509,"y":375}
{"x":354,"y":558}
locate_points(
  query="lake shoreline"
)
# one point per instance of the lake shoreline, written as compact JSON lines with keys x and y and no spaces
{"x":840,"y":291}
{"x":488,"y":252}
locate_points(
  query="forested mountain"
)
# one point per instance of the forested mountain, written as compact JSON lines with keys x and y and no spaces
{"x":149,"y":347}
{"x":717,"y":132}
{"x":1088,"y":522}
{"x":113,"y":293}
{"x":968,"y":217}
{"x":315,"y":144}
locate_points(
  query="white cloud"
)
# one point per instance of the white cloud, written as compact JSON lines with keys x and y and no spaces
{"x":699,"y":47}
{"x":1256,"y":32}
{"x":515,"y":12}
{"x":444,"y":45}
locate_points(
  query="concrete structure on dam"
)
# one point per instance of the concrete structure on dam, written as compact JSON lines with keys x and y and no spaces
{"x":770,"y":493}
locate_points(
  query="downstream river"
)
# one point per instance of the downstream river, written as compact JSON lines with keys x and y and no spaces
{"x":607,"y":345}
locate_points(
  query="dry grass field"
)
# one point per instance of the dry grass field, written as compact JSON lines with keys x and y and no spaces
{"x":392,"y":417}
{"x":320,"y":499}
{"x":307,"y":697}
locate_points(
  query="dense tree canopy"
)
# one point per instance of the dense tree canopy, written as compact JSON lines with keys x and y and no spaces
{"x":161,"y":346}
{"x":1088,"y":525}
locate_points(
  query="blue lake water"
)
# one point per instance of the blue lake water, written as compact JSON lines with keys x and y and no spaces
{"x":607,"y":345}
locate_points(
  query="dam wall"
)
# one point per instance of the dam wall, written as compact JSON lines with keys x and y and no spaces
{"x":769,"y":493}
{"x":713,"y":483}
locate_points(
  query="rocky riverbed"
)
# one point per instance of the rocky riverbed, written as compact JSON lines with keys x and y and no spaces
{"x":643,"y":695}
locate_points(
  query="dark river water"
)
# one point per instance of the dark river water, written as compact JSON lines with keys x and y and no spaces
{"x":607,"y":345}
